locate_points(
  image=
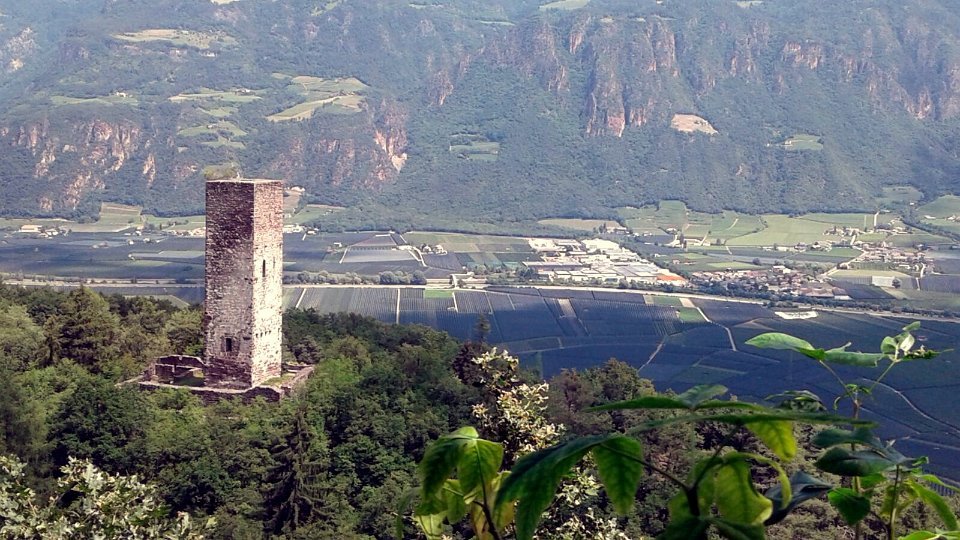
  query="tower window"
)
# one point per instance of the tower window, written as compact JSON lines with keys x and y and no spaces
{"x":228,"y":344}
{"x":263,"y":269}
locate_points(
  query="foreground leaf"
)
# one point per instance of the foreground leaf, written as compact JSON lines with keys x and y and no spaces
{"x":780,"y":341}
{"x":441,"y":458}
{"x":843,"y":462}
{"x":803,"y":488}
{"x":834,"y":437}
{"x":535,"y":478}
{"x":619,"y":467}
{"x":738,"y":531}
{"x":934,"y":500}
{"x":778,"y":436}
{"x":851,"y":506}
{"x":737,"y":498}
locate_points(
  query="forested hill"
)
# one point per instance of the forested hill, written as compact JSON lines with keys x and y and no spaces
{"x":481,"y":109}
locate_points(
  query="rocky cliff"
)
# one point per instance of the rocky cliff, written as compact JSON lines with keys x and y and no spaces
{"x":130,"y":102}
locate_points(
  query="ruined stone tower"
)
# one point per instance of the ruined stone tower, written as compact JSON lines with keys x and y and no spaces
{"x":244,"y":270}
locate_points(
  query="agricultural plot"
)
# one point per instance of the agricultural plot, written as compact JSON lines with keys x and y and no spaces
{"x":112,"y":99}
{"x":943,"y":212}
{"x":312,"y":212}
{"x":586,"y":225}
{"x":897,"y":196}
{"x":178,"y":38}
{"x":474,"y":147}
{"x":786,"y":231}
{"x":94,"y":256}
{"x":468,"y":243}
{"x":803,"y":142}
{"x":565,"y":5}
{"x":327,"y":96}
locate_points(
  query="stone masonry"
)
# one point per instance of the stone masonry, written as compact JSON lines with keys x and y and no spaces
{"x":244,"y":270}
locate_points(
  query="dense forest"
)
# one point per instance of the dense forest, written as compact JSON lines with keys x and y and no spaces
{"x":332,"y":462}
{"x":434,"y":113}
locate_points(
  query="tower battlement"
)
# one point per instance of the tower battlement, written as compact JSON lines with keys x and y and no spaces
{"x":244,"y":274}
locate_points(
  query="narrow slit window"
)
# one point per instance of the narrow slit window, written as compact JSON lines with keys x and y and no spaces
{"x":228,"y":344}
{"x":263,"y":269}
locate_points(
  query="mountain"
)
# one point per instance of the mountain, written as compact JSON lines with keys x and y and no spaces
{"x":493,"y":111}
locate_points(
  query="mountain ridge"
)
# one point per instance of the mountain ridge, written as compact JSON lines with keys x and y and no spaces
{"x":487,"y":111}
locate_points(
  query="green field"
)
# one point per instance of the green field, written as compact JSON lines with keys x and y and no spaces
{"x":469,"y":243}
{"x":177,"y":37}
{"x":565,"y":4}
{"x":785,"y":231}
{"x":328,"y":96}
{"x":312,"y":212}
{"x":939,"y":211}
{"x":474,"y":147}
{"x":803,"y":141}
{"x":437,"y":293}
{"x":112,"y":99}
{"x":587,"y":225}
{"x":896,"y":196}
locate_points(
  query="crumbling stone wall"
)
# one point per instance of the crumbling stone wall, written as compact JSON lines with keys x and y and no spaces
{"x":244,"y":270}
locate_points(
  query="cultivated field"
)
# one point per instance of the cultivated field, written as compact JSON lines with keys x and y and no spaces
{"x":177,"y":37}
{"x":112,"y":99}
{"x":691,"y":123}
{"x":675,"y":346}
{"x":565,"y":4}
{"x":940,"y":212}
{"x":803,"y":141}
{"x":474,"y":147}
{"x":329,"y":96}
{"x":586,"y":225}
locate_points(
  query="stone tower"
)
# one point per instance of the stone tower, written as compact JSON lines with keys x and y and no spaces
{"x":244,"y":270}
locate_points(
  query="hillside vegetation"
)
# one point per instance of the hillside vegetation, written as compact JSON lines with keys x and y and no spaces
{"x":487,"y":111}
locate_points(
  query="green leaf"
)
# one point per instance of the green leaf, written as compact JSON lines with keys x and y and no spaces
{"x":619,"y":467}
{"x":432,"y":525}
{"x":933,"y":499}
{"x":778,"y":436}
{"x":844,"y":462}
{"x":834,"y":437}
{"x":871,"y":481}
{"x":737,"y":498}
{"x":851,"y":506}
{"x":921,"y":535}
{"x":534,"y":480}
{"x":912,"y":327}
{"x":479,"y":462}
{"x":743,"y":419}
{"x":684,"y":529}
{"x":842,"y":356}
{"x":777,"y":340}
{"x":888,"y":345}
{"x":456,"y":505}
{"x":406,"y":500}
{"x":934,"y":479}
{"x":738,"y":531}
{"x":441,"y":458}
{"x":648,"y":402}
{"x":906,"y":342}
{"x":803,"y":487}
{"x":797,"y":400}
{"x":701,"y":393}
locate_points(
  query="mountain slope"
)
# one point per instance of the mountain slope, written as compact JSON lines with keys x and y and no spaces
{"x":489,"y":110}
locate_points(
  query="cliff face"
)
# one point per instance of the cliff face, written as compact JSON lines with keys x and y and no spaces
{"x":129,"y":101}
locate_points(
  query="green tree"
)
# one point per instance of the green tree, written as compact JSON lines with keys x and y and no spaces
{"x":184,"y":330}
{"x":102,"y":422}
{"x":293,"y":491}
{"x":87,"y":331}
{"x":87,"y":503}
